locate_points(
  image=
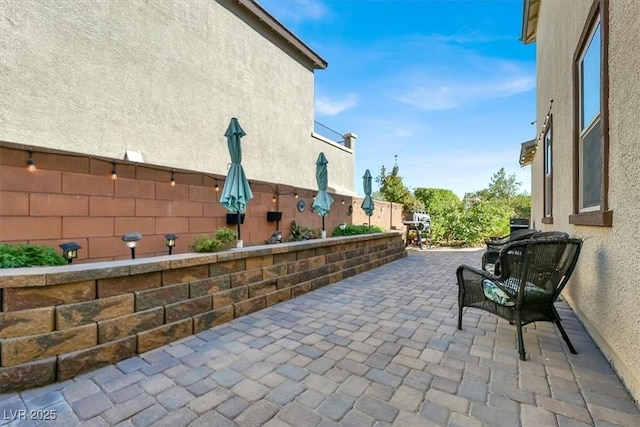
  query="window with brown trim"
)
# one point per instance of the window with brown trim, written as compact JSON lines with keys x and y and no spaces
{"x":548,"y":172}
{"x":591,"y":121}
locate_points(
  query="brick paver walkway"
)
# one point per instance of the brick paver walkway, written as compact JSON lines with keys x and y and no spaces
{"x":380,"y":348}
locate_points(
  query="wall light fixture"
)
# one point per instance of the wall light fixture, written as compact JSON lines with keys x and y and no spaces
{"x":31,"y":164}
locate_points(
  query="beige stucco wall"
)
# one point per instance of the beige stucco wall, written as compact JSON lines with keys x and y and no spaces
{"x":163,"y":78}
{"x":387,"y":215}
{"x":604,"y":290}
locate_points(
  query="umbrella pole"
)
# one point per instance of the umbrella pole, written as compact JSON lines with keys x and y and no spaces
{"x":239,"y":226}
{"x":369,"y":220}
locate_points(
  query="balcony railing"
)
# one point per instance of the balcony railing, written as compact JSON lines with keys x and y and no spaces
{"x":328,"y":133}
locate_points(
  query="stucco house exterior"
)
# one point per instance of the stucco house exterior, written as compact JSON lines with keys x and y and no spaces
{"x":585,"y":165}
{"x":148,"y":89}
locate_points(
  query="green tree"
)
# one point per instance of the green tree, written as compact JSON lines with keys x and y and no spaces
{"x":391,"y":186}
{"x":392,"y":189}
{"x":480,"y":215}
{"x":521,"y":204}
{"x":483,"y":219}
{"x":503,"y":193}
{"x":501,"y":187}
{"x":446,"y":212}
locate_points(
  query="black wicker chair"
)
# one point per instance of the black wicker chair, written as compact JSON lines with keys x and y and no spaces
{"x":491,"y":257}
{"x":534,"y":272}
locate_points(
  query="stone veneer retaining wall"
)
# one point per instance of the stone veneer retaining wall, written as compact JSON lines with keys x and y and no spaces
{"x":58,"y":322}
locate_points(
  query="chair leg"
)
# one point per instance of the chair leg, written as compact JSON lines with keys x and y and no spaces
{"x":566,"y":338}
{"x":520,"y":338}
{"x":460,"y":307}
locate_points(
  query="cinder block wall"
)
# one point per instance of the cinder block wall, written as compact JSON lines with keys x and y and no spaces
{"x":58,"y":322}
{"x":71,"y":197}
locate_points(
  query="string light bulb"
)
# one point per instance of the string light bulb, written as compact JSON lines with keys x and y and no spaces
{"x":217,"y":187}
{"x":114,"y":172}
{"x":295,"y":195}
{"x":31,"y":164}
{"x":173,"y":177}
{"x":343,"y":201}
{"x":274,"y":198}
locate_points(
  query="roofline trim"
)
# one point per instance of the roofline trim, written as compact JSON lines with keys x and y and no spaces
{"x":527,"y":151}
{"x":264,"y":16}
{"x":530,"y":11}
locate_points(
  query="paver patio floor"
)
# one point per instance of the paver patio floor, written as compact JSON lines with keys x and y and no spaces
{"x":380,"y":348}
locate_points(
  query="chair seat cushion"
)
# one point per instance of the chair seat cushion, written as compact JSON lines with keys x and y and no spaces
{"x":495,"y":294}
{"x":533,"y":295}
{"x":490,"y":267}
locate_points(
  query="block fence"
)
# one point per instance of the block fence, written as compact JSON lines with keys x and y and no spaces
{"x":72,"y":197}
{"x":58,"y":322}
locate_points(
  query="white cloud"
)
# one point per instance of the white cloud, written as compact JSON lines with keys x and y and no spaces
{"x":451,"y":94}
{"x":468,"y":37}
{"x":331,"y":107}
{"x":402,"y":132}
{"x":441,"y":72}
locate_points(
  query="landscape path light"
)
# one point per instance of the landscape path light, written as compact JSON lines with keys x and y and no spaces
{"x":70,"y":251}
{"x":171,"y":241}
{"x":131,"y":239}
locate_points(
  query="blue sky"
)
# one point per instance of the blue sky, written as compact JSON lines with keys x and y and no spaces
{"x":443,"y":84}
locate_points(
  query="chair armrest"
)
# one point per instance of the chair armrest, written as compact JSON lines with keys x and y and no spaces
{"x":471,"y":275}
{"x":470,"y":279}
{"x":490,"y":256}
{"x":472,"y":287}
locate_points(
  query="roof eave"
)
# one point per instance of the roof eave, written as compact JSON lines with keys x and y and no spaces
{"x":264,"y":16}
{"x":527,"y":152}
{"x":530,"y":12}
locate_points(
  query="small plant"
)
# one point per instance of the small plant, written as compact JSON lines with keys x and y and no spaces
{"x":226,"y":235}
{"x":223,"y":239}
{"x":352,"y":230}
{"x":299,"y":232}
{"x":205,"y":243}
{"x":29,"y":256}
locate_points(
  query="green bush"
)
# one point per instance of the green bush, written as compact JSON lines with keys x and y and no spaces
{"x":226,"y":235}
{"x":223,"y":239}
{"x":29,"y":256}
{"x":299,"y":232}
{"x":352,"y":230}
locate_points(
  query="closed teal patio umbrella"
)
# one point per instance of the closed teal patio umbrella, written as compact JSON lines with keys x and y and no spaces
{"x":322,"y":203}
{"x":367,"y":204}
{"x":236,"y":192}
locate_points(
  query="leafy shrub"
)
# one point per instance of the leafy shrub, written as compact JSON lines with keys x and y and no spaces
{"x":352,"y":230}
{"x":29,"y":256}
{"x":226,"y":235}
{"x":299,"y":232}
{"x":223,"y":239}
{"x":204,"y":243}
